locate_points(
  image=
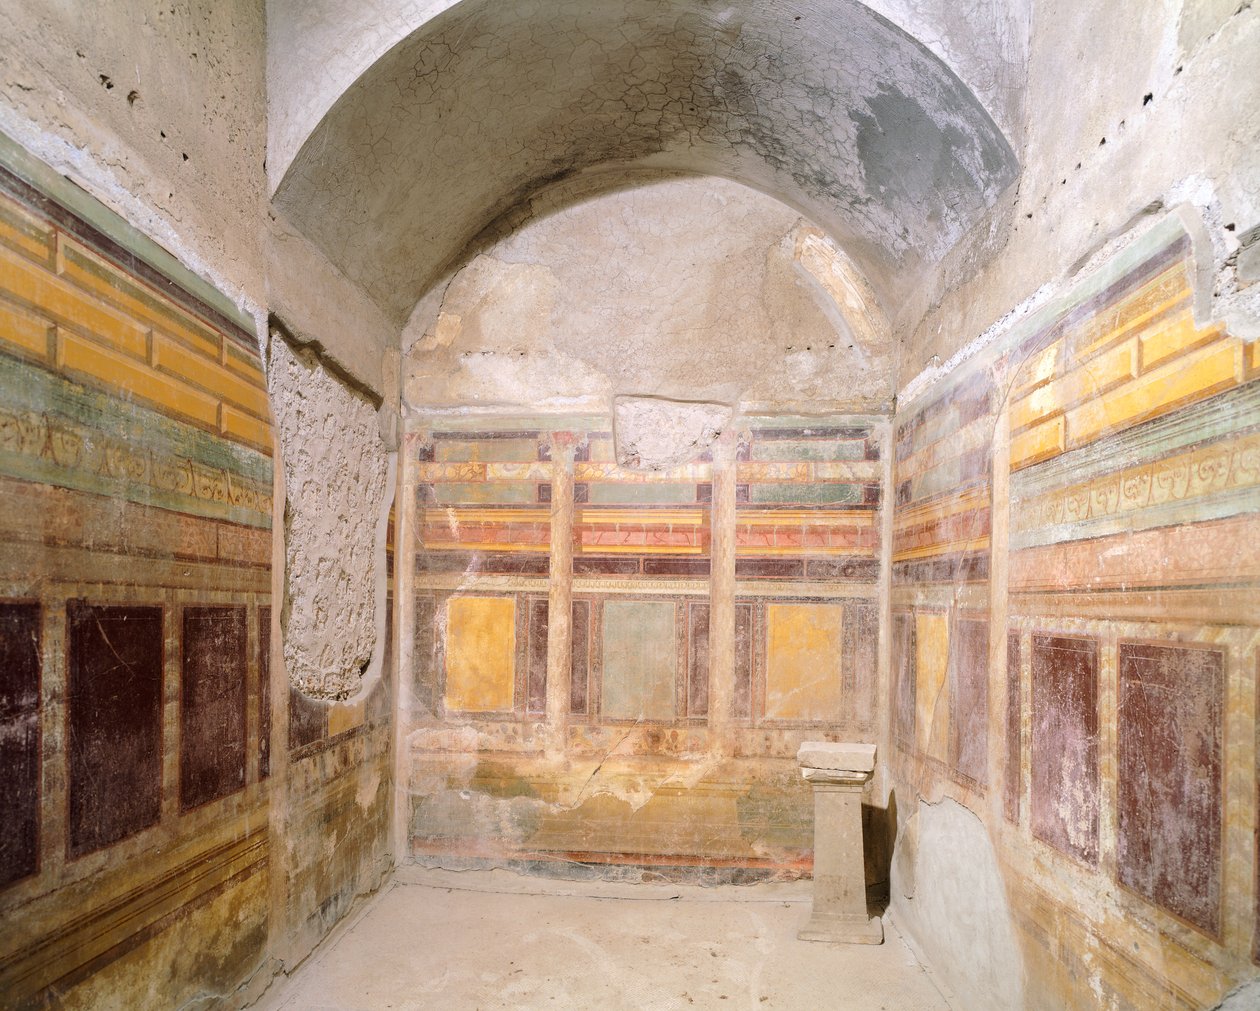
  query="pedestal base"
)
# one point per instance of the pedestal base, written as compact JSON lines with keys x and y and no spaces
{"x":843,"y":929}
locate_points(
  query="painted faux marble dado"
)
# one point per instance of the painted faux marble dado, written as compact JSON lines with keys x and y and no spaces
{"x":631,"y":739}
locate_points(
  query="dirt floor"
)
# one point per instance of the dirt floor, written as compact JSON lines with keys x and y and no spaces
{"x":494,"y":939}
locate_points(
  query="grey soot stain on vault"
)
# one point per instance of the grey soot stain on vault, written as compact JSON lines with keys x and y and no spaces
{"x":829,"y":108}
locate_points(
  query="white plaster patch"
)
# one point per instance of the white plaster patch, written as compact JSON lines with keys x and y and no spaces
{"x":953,"y":906}
{"x":655,"y":434}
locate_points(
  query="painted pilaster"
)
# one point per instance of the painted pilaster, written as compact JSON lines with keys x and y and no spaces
{"x":560,"y":593}
{"x":722,"y":597}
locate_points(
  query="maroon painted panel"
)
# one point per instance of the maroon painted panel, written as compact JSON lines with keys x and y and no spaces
{"x":1065,"y":744}
{"x":19,"y":741}
{"x":698,"y":660}
{"x":903,"y":646}
{"x":308,"y":720}
{"x":743,"y":661}
{"x":858,"y":664}
{"x":1170,"y":739}
{"x":424,"y":656}
{"x":769,"y":568}
{"x":1014,"y":729}
{"x":969,"y":700}
{"x":114,"y":723}
{"x":536,"y":661}
{"x":264,"y":692}
{"x":212,"y":704}
{"x":580,"y":661}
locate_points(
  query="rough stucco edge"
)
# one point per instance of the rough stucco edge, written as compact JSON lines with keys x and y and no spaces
{"x":320,"y":305}
{"x":376,"y":667}
{"x":1190,"y":214}
{"x":18,"y":160}
{"x":100,"y":184}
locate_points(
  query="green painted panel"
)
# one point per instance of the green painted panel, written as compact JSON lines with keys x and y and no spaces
{"x":810,"y":494}
{"x":809,"y":449}
{"x":25,"y":387}
{"x":647,"y":493}
{"x":485,"y":493}
{"x":486,"y":450}
{"x":640,"y":660}
{"x":944,"y":476}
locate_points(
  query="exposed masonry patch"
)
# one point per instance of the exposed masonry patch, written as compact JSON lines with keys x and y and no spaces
{"x":653,"y":434}
{"x":831,"y":120}
{"x":335,"y":468}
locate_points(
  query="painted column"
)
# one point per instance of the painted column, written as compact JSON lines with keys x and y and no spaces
{"x":722,"y":597}
{"x":999,"y":604}
{"x":560,"y":593}
{"x":838,"y":773}
{"x":407,"y":521}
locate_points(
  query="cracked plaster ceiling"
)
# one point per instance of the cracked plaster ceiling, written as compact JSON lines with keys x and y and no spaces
{"x":828,"y":107}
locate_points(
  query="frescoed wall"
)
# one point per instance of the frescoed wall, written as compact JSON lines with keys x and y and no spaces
{"x":641,"y":731}
{"x":135,"y":609}
{"x":1075,"y":628}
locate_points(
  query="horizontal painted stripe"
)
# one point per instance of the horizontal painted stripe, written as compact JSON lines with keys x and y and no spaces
{"x":482,"y":545}
{"x":643,"y":517}
{"x":1234,"y":411}
{"x":745,"y":517}
{"x":951,"y":547}
{"x":27,"y":387}
{"x":72,"y":208}
{"x":805,"y":551}
{"x":1218,"y":551}
{"x":941,"y":508}
{"x":43,"y":514}
{"x":36,"y":569}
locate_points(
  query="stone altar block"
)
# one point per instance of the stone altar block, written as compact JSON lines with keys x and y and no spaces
{"x":838,"y":772}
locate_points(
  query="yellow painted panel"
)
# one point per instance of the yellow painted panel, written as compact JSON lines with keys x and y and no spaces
{"x":25,"y":233}
{"x":1038,"y":370}
{"x":65,"y":304}
{"x":1181,"y":381}
{"x":243,"y":364}
{"x":457,"y":515}
{"x":1174,"y":337}
{"x":1037,"y":443}
{"x":1099,"y":374}
{"x":246,"y":428}
{"x":1158,"y":296}
{"x":806,"y":517}
{"x":480,"y":653}
{"x":942,"y":548}
{"x":105,"y":281}
{"x":804,"y":643}
{"x":1253,"y":358}
{"x":343,"y":716}
{"x":124,"y":375}
{"x":645,"y":517}
{"x":209,"y":375}
{"x":939,"y":509}
{"x":28,"y":332}
{"x":931,"y":665}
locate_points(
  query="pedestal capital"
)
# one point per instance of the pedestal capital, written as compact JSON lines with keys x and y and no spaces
{"x":836,"y":756}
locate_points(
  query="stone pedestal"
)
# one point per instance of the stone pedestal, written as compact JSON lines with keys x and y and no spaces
{"x":838,"y":772}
